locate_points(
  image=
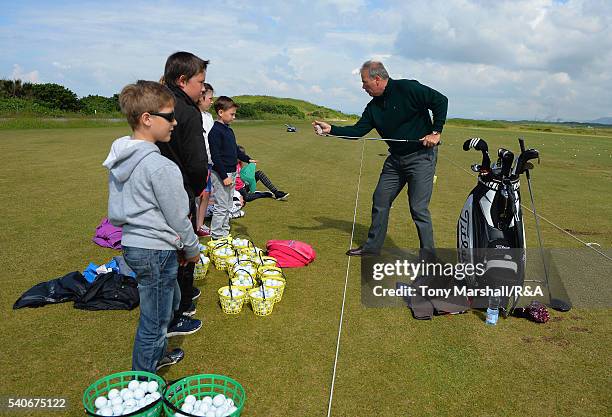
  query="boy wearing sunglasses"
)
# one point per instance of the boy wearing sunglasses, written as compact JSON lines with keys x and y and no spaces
{"x":148,"y":201}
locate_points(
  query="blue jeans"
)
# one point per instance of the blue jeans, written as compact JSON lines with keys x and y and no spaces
{"x":159,"y":296}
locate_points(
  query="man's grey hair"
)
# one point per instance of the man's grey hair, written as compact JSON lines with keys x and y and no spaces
{"x":375,"y":68}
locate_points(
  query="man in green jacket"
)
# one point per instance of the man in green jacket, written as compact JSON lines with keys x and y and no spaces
{"x":399,"y":109}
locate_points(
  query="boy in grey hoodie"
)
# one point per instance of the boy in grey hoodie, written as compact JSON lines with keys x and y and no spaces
{"x":147,"y":199}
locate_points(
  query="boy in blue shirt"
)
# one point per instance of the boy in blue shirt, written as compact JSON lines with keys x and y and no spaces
{"x":147,"y":199}
{"x":225,"y":154}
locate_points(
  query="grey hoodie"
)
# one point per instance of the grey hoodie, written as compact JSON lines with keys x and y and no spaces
{"x":147,"y":198}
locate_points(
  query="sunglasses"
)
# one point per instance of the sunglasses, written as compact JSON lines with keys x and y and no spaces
{"x":168,"y":116}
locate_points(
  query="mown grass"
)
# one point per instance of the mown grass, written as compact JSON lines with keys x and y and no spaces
{"x":54,"y":193}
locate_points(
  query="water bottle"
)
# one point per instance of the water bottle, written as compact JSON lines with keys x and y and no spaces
{"x":493,"y":311}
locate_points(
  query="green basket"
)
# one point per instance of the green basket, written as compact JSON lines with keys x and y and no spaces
{"x":121,"y":380}
{"x":202,"y":386}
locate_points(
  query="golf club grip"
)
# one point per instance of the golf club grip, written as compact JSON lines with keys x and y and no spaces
{"x":522,"y":145}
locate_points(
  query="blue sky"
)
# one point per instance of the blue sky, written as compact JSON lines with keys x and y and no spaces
{"x":533,"y":59}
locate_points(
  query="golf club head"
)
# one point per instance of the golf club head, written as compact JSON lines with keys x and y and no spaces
{"x":476,"y":143}
{"x":506,"y":158}
{"x":523,"y":164}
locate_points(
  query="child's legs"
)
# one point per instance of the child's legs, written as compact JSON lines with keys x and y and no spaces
{"x":263,"y":178}
{"x":202,"y":209}
{"x":156,"y":275}
{"x":204,"y":197}
{"x":219,"y":225}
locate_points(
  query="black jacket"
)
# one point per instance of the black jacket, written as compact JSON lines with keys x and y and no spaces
{"x":186,"y":147}
{"x":224,"y":150}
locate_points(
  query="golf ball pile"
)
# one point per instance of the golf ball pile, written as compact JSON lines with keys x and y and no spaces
{"x":273,"y":282}
{"x":224,"y":251}
{"x":246,"y":270}
{"x":137,"y":395}
{"x":243,"y":281}
{"x":269,"y":262}
{"x":259,"y":294}
{"x":270,"y":272}
{"x":204,"y":260}
{"x":235,"y":292}
{"x":217,"y":406}
{"x":241,"y":243}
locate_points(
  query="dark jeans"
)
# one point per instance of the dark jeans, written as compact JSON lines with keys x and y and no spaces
{"x":159,"y":297}
{"x":417,"y":171}
{"x":184,"y":275}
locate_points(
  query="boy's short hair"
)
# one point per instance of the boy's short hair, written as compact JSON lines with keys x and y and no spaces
{"x":141,"y":97}
{"x":183,"y":63}
{"x":224,"y":103}
{"x":207,"y":88}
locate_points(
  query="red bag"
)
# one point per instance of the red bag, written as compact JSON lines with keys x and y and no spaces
{"x":291,"y":253}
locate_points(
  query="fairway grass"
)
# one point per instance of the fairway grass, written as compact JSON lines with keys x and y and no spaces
{"x":54,"y":193}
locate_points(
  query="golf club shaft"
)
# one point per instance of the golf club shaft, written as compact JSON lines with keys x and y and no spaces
{"x":376,"y":139}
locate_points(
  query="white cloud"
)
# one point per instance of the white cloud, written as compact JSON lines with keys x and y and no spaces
{"x":18,"y":74}
{"x":509,"y":58}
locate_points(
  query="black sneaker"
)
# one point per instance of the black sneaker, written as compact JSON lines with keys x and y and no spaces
{"x":281,"y":195}
{"x":196,"y":293}
{"x":184,"y":326}
{"x":170,"y":358}
{"x":191,"y":311}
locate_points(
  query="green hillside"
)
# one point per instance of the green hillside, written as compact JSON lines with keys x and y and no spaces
{"x":268,"y":107}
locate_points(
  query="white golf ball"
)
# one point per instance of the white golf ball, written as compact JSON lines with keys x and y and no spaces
{"x":155,"y":396}
{"x":126,"y":395}
{"x":231,"y":409}
{"x":106,"y":411}
{"x":116,"y":400}
{"x":133,"y":385}
{"x":218,"y":400}
{"x":220,"y":412}
{"x":139,"y":393}
{"x":207,"y":400}
{"x":211,"y":414}
{"x":100,"y":402}
{"x":188,"y":408}
{"x":113,"y":393}
{"x":229,"y":402}
{"x":130,"y":403}
{"x":118,"y":409}
{"x":152,"y":386}
{"x":190,"y":399}
{"x":127,"y":410}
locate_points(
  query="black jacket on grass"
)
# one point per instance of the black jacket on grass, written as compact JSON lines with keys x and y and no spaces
{"x":401,"y":112}
{"x":186,"y":147}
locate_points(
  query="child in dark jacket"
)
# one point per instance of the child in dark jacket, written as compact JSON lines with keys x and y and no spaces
{"x":225,"y":155}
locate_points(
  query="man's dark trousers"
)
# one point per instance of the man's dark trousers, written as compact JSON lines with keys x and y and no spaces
{"x":417,"y":170}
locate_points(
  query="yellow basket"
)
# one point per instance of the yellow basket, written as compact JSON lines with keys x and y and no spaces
{"x":204,"y":249}
{"x":201,"y":268}
{"x":231,"y":305}
{"x":220,"y":260}
{"x":232,"y":261}
{"x":217,"y":243}
{"x":240,"y":245}
{"x":252,"y":251}
{"x":278,"y":289}
{"x":247,"y":265}
{"x":269,"y":272}
{"x":268,"y":261}
{"x":261,"y":306}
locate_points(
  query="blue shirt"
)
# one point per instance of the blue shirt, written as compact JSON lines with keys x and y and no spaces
{"x":224,"y":150}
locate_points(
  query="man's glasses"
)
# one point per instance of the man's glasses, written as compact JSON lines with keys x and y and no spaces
{"x":168,"y":116}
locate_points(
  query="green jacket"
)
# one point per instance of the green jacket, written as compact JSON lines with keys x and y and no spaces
{"x":247,"y":175}
{"x":401,"y":112}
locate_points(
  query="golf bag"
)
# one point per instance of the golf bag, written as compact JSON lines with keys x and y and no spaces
{"x":490,"y":228}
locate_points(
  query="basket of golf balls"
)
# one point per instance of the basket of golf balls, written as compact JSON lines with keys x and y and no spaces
{"x":206,"y":395}
{"x":245,"y":267}
{"x":221,"y":255}
{"x":133,"y":393}
{"x":203,"y":249}
{"x":217,"y":243}
{"x":244,"y":281}
{"x":242,"y":244}
{"x":268,"y":261}
{"x":273,"y":277}
{"x":252,"y":251}
{"x":236,"y":259}
{"x":201,"y":267}
{"x":231,"y":299}
{"x":262,"y":300}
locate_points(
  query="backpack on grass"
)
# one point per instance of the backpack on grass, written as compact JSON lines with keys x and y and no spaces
{"x":291,"y":253}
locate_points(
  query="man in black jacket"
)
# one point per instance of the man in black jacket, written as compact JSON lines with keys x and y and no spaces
{"x":184,"y":75}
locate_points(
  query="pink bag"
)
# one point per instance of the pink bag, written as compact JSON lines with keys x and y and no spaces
{"x":291,"y":253}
